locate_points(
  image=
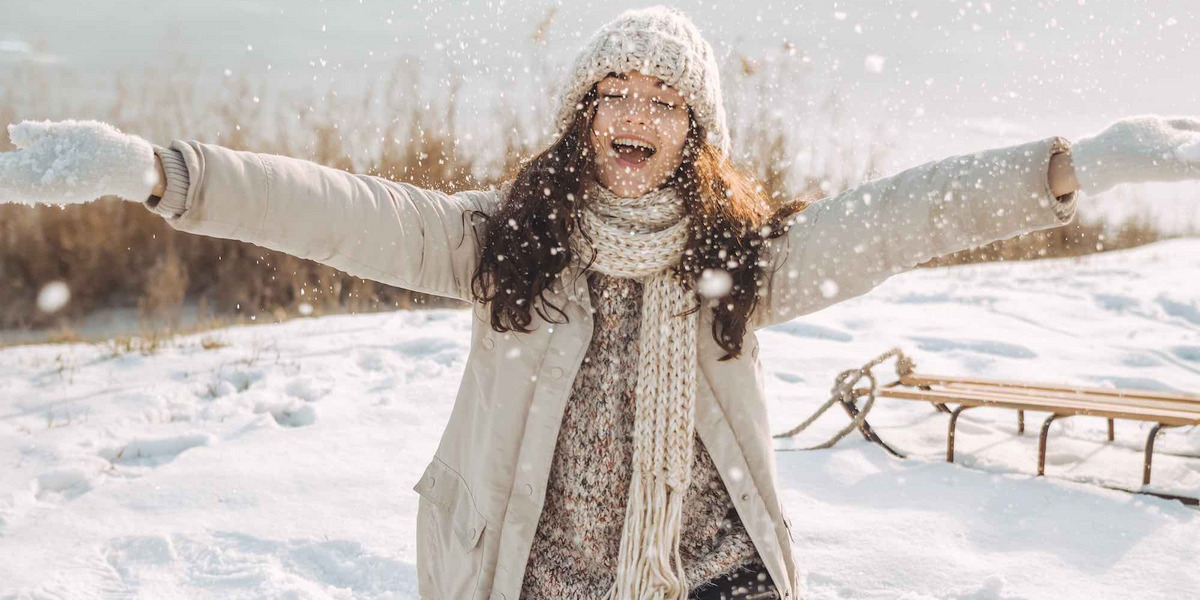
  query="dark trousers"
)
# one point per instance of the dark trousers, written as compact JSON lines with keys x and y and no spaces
{"x":752,"y":583}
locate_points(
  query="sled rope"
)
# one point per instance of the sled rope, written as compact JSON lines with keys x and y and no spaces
{"x":843,"y":391}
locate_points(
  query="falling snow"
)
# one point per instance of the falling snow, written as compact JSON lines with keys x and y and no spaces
{"x":715,"y":283}
{"x":53,"y":296}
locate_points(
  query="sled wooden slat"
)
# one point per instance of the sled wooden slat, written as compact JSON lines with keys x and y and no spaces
{"x":1055,"y":405}
{"x":1124,"y":400}
{"x":915,"y":380}
{"x":1164,"y":409}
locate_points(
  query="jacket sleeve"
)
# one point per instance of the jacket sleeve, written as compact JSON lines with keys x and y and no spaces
{"x":369,"y":227}
{"x":844,"y":246}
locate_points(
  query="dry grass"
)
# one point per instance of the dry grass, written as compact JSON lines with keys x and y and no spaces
{"x":114,"y":253}
{"x":146,"y":338}
{"x":1075,"y":239}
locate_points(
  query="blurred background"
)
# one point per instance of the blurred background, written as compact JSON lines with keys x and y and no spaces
{"x":822,"y":95}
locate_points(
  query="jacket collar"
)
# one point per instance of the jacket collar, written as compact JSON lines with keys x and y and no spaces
{"x":572,"y":282}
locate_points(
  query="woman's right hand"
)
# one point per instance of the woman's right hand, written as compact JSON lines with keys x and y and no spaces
{"x":72,"y":162}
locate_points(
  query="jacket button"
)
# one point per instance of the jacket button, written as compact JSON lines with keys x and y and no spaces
{"x":556,"y":373}
{"x":754,"y":352}
{"x":488,"y":343}
{"x":528,"y":490}
{"x":745,"y":496}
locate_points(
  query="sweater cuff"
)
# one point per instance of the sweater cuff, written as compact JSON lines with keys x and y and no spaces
{"x":174,"y":200}
{"x":1065,"y":207}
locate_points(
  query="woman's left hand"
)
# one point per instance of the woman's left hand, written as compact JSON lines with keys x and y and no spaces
{"x":1138,"y":149}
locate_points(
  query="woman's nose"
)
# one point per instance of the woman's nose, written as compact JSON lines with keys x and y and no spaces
{"x":638,"y":112}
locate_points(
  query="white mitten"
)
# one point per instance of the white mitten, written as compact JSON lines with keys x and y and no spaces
{"x":71,"y":162}
{"x":1138,"y":149}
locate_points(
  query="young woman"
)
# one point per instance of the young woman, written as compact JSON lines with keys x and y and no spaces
{"x":610,"y":436}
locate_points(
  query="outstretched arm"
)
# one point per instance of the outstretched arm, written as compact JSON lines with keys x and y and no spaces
{"x":844,"y":246}
{"x":370,"y":227}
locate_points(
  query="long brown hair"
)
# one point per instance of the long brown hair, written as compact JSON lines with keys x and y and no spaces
{"x":527,"y":245}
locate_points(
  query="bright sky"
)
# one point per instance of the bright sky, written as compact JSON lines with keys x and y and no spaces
{"x":983,"y":58}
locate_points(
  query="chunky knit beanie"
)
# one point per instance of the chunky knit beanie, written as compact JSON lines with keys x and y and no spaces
{"x":661,"y":42}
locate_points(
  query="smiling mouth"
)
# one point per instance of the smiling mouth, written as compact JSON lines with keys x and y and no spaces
{"x":631,"y":151}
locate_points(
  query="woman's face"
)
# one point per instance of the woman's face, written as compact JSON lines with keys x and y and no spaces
{"x":638,"y":133}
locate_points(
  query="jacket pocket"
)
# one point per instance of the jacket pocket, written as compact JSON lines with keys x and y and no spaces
{"x":449,"y":530}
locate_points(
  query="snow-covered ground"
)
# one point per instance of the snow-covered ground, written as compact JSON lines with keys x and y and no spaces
{"x":280,"y":463}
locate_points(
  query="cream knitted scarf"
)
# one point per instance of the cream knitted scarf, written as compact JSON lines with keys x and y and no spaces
{"x":642,"y":238}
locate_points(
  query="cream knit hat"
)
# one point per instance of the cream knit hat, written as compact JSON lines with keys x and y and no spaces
{"x":658,"y":41}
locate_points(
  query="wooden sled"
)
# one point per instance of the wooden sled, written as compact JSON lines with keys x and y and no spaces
{"x":1166,"y":410}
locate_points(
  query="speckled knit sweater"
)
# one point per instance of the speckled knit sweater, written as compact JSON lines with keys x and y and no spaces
{"x":575,"y":549}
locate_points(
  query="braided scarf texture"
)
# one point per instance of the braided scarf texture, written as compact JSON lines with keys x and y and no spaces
{"x":642,"y":238}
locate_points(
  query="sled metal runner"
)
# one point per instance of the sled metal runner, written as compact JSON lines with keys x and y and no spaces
{"x":1165,"y":410}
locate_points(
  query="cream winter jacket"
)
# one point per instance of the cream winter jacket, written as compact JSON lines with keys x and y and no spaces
{"x":482,"y":492}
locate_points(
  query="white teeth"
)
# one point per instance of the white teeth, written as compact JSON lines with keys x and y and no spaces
{"x":628,"y":141}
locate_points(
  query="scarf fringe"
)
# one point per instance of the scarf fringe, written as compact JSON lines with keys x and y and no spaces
{"x":650,"y":565}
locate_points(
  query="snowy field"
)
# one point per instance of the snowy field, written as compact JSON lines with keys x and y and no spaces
{"x":278,"y":460}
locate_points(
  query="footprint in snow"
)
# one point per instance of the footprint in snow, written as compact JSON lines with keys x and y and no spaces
{"x":227,"y":382}
{"x":1115,"y":302}
{"x":810,"y":331}
{"x":64,"y":484}
{"x":1140,"y":360}
{"x":292,"y":413}
{"x":1188,"y":311}
{"x":307,"y":389}
{"x":371,"y":361}
{"x":992,"y":347}
{"x":1188,"y":353}
{"x":789,"y":377}
{"x":154,"y":452}
{"x":126,"y":554}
